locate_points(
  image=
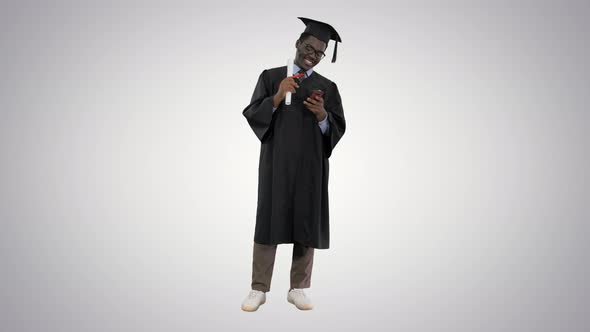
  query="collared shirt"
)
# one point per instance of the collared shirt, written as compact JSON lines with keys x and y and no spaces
{"x":324,"y":124}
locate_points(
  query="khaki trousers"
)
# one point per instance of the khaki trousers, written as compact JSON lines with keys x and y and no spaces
{"x":264,"y":259}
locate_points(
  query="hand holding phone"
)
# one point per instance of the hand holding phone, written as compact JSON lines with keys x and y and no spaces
{"x":317,"y":93}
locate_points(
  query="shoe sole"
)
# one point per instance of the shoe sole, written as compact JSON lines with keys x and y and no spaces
{"x":251,"y":309}
{"x":306,"y":307}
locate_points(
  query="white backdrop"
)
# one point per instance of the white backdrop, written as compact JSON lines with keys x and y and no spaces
{"x":128,"y":175}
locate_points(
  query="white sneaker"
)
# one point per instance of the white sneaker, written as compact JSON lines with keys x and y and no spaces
{"x":253,"y":300}
{"x":299,"y":299}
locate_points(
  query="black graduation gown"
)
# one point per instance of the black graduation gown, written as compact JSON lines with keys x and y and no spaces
{"x":293,"y":170}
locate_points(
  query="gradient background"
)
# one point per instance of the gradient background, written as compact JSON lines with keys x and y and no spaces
{"x":128,"y":177}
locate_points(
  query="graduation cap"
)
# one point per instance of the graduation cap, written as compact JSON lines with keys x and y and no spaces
{"x":322,"y":31}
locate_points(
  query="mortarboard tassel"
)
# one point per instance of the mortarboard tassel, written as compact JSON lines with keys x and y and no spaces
{"x":334,"y":55}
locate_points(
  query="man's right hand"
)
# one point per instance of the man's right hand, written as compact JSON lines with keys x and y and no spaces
{"x":288,"y":84}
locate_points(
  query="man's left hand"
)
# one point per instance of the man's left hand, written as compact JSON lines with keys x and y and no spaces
{"x":316,"y":106}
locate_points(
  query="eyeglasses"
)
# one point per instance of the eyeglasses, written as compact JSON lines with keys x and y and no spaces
{"x":309,"y":49}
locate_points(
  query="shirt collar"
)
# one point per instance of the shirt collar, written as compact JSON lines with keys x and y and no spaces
{"x":296,"y":69}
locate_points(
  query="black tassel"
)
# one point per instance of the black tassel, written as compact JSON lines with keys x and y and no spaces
{"x":335,"y":49}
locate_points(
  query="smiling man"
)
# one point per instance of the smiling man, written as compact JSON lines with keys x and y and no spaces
{"x":296,"y":142}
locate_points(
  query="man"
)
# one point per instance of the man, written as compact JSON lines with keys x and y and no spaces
{"x":296,"y":142}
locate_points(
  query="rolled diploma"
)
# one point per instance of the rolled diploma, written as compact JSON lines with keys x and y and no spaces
{"x":289,"y":73}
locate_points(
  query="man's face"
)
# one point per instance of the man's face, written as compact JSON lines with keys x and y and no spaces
{"x":306,"y":56}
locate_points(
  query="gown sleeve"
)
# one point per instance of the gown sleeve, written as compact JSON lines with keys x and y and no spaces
{"x":260,"y":110}
{"x":335,"y":118}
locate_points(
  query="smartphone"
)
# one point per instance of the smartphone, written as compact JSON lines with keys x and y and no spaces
{"x":316,"y":93}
